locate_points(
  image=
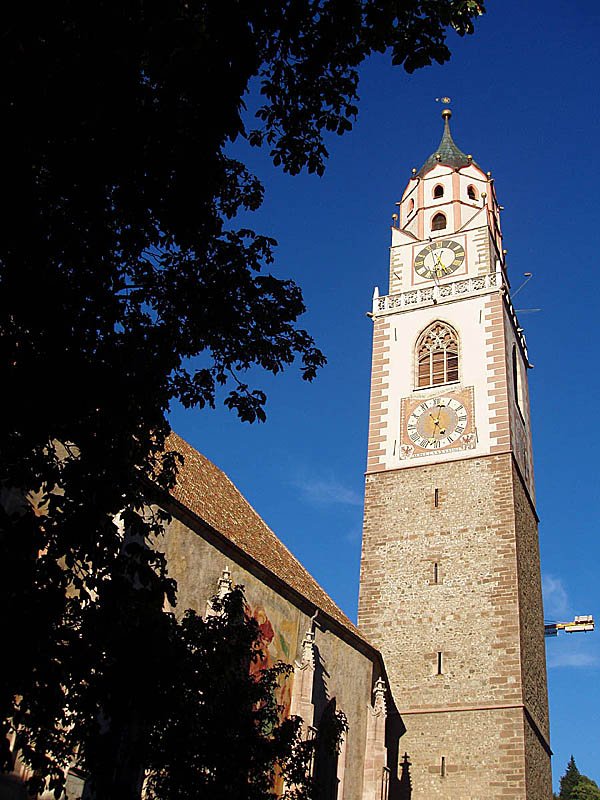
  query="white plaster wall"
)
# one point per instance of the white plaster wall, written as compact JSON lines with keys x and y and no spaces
{"x":474,"y":239}
{"x":467,"y":316}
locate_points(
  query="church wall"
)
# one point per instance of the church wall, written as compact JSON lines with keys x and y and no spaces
{"x":450,"y":574}
{"x":348,"y":676}
{"x":467,"y":614}
{"x":470,"y":616}
{"x":394,"y":374}
{"x":474,"y":237}
{"x":342,"y":671}
{"x":531,"y":612}
{"x":482,"y":751}
{"x":537,"y":766}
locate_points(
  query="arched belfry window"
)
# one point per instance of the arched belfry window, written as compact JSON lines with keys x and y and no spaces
{"x":437,"y":355}
{"x":438,"y":191}
{"x":471,"y":192}
{"x":438,"y":223}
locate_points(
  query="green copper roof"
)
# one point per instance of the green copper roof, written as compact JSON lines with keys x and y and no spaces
{"x":447,"y":152}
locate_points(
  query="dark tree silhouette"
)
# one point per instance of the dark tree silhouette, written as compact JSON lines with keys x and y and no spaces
{"x":126,"y":285}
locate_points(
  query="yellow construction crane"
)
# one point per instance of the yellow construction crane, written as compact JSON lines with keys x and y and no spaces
{"x":584,"y":622}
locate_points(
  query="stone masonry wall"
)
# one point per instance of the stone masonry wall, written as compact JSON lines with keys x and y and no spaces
{"x":474,"y":708}
{"x":531,"y":612}
{"x":537,"y":767}
{"x":483,"y":754}
{"x":533,"y":648}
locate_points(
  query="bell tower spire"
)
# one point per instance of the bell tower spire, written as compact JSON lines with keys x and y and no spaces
{"x":450,"y":514}
{"x":447,"y":152}
{"x":450,"y":194}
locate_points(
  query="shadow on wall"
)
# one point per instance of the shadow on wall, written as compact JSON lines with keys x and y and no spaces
{"x":327,"y":754}
{"x":405,"y":783}
{"x":400,"y":787}
{"x":394,"y":786}
{"x":325,"y":765}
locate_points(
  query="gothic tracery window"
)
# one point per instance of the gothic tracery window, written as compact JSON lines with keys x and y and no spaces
{"x":437,"y":355}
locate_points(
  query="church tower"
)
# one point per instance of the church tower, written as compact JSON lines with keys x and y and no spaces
{"x":450,"y":576}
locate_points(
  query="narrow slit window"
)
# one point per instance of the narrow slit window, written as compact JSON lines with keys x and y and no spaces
{"x":439,"y":663}
{"x":443,"y":767}
{"x":517,"y":380}
{"x":436,"y":572}
{"x":436,"y":498}
{"x":438,"y":223}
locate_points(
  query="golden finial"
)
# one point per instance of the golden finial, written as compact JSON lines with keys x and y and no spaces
{"x":446,"y":113}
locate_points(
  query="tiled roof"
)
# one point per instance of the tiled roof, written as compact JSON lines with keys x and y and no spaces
{"x":209,"y":494}
{"x":447,"y":152}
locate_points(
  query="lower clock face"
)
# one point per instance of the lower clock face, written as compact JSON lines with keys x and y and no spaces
{"x":439,"y":259}
{"x":437,"y":423}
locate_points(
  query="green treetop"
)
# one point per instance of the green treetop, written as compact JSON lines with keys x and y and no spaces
{"x":575,"y":786}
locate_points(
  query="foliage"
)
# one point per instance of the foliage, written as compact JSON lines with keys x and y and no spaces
{"x":191,"y":716}
{"x":218,"y":731}
{"x":569,"y":779}
{"x":585,"y":789}
{"x":575,"y":786}
{"x":126,"y":286}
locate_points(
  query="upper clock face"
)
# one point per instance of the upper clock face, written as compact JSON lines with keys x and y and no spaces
{"x":439,"y":259}
{"x":437,"y":422}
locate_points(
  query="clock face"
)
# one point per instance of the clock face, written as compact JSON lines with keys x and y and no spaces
{"x":439,"y":259}
{"x":437,"y":423}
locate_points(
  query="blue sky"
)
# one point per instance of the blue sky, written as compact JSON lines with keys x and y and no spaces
{"x":526,"y":104}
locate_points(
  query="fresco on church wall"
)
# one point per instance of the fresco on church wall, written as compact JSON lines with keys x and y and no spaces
{"x":279,"y":634}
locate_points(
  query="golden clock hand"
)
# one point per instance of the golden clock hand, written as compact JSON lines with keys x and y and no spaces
{"x":435,"y":423}
{"x":433,"y":270}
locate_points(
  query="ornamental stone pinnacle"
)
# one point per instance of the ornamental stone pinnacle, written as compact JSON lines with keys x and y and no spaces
{"x":225,"y":583}
{"x":224,"y":586}
{"x":379,"y":697}
{"x":308,"y":650}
